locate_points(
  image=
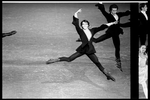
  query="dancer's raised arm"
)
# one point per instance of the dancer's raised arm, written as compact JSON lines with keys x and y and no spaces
{"x":76,"y":13}
{"x":102,"y":9}
{"x":75,"y":21}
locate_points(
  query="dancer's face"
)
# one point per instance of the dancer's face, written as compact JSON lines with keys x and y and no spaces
{"x":85,"y":25}
{"x":143,"y":48}
{"x":114,"y":11}
{"x":144,"y":8}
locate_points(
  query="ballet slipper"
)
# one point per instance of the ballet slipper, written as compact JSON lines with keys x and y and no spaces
{"x":109,"y":77}
{"x":50,"y":61}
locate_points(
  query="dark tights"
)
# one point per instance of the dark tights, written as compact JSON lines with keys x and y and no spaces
{"x":125,"y":25}
{"x":92,"y":57}
{"x":116,"y":41}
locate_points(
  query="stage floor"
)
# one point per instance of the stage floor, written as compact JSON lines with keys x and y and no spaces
{"x":44,"y":32}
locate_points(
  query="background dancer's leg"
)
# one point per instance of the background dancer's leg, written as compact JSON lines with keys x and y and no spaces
{"x":116,"y":41}
{"x":101,"y":38}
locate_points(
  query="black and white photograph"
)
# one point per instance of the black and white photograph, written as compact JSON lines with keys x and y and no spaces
{"x":79,"y":49}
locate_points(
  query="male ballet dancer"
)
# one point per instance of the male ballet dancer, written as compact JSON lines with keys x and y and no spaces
{"x":86,"y":47}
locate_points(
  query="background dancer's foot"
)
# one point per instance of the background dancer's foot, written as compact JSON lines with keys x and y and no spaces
{"x":118,"y":64}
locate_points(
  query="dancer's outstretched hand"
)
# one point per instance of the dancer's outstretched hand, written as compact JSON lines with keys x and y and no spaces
{"x":76,"y":13}
{"x":100,"y":2}
{"x":80,"y":10}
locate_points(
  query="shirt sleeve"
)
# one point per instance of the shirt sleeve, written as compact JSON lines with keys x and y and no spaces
{"x":102,"y":9}
{"x":75,"y":22}
{"x":121,"y":14}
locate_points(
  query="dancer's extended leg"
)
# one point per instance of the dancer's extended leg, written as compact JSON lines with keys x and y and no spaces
{"x":116,"y":41}
{"x":94,"y":59}
{"x":68,"y":59}
{"x":71,"y":58}
{"x":101,"y":38}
